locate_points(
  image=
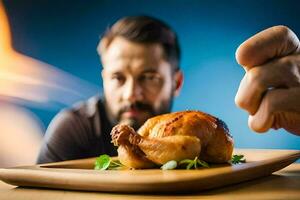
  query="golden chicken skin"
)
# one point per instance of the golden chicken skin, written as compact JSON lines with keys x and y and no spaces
{"x":174,"y":136}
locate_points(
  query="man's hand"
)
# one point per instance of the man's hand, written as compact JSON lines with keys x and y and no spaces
{"x":270,"y":89}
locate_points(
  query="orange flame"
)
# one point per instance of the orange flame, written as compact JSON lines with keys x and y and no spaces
{"x":31,"y":81}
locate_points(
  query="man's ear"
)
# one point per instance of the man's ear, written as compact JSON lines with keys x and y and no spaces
{"x":178,"y":78}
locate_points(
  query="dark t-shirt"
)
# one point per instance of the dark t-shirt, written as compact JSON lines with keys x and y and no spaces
{"x":80,"y":132}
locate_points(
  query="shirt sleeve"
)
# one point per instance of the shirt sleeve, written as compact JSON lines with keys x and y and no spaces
{"x":65,"y":139}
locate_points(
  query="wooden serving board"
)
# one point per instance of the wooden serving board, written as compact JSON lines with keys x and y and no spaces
{"x":79,"y":174}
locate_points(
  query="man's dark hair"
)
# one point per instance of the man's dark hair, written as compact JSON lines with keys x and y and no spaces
{"x":147,"y":30}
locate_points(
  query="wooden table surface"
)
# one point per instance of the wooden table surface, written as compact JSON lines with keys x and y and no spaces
{"x":284,"y":184}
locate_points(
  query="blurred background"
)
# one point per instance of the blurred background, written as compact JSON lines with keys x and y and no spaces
{"x":48,"y":61}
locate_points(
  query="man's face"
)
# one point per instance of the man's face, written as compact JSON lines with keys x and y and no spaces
{"x":138,"y":82}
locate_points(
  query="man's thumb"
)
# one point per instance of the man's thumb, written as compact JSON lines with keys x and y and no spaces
{"x":274,"y":42}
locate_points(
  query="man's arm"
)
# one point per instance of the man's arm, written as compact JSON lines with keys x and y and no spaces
{"x":64,"y":140}
{"x":270,"y":89}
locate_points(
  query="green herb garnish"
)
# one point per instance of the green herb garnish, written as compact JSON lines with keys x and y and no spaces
{"x":187,"y":163}
{"x":105,"y":162}
{"x":196,"y":163}
{"x":236,"y":159}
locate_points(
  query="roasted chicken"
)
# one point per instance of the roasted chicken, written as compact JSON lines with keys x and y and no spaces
{"x":174,"y":136}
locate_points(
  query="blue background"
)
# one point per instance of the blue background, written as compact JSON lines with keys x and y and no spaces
{"x":65,"y":34}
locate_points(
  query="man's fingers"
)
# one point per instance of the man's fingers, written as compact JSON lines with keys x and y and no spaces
{"x":270,"y":90}
{"x":280,"y":108}
{"x":274,"y":42}
{"x":280,"y":73}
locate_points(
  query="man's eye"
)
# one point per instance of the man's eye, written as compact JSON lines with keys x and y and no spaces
{"x":150,"y":77}
{"x":118,"y":78}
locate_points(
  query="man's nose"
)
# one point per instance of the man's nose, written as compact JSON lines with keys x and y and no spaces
{"x":132,"y":91}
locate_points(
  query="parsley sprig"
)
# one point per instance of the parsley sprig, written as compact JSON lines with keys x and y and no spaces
{"x":105,"y":162}
{"x":237,"y":159}
{"x":196,"y":163}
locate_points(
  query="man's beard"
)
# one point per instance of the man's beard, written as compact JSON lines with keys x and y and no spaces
{"x":165,"y":107}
